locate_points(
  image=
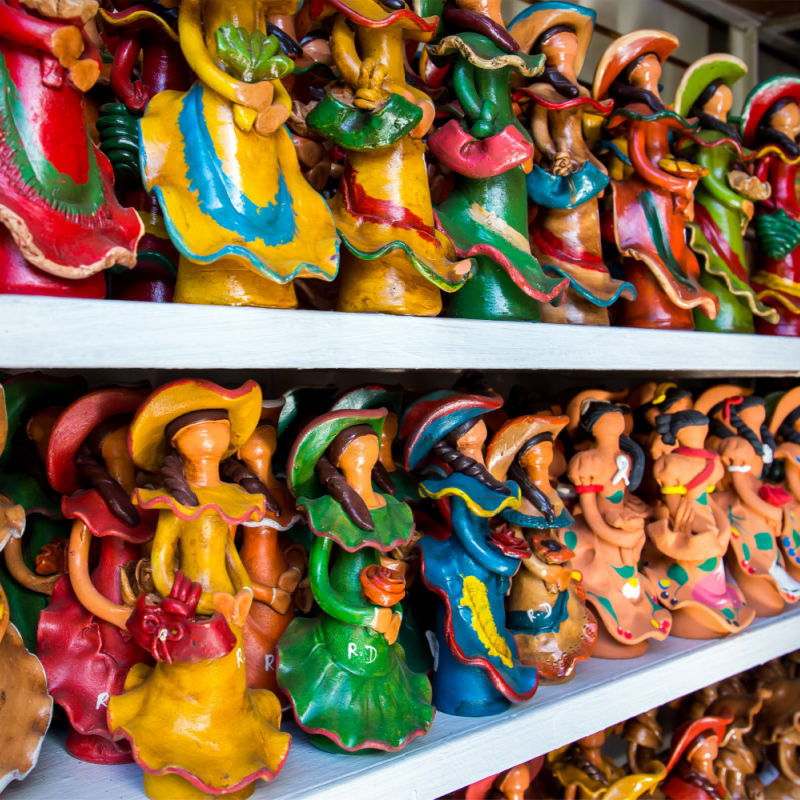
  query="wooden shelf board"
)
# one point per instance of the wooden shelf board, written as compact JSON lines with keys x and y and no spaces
{"x":459,"y":750}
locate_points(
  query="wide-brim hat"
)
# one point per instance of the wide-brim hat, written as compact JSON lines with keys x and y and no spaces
{"x":683,"y":735}
{"x":75,"y":423}
{"x":271,"y":408}
{"x":508,"y":441}
{"x":433,"y":416}
{"x":30,"y":392}
{"x":371,"y":14}
{"x":717,"y":394}
{"x":576,"y":404}
{"x":147,"y":440}
{"x":762,"y":98}
{"x":788,"y":402}
{"x":628,"y":48}
{"x":531,"y":23}
{"x":314,"y":440}
{"x":703,"y":72}
{"x":303,"y":402}
{"x":371,"y":395}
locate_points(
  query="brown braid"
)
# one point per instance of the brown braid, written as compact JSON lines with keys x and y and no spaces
{"x":93,"y":470}
{"x":458,"y":462}
{"x":340,"y":490}
{"x":174,"y":480}
{"x":381,"y":478}
{"x":233,"y":470}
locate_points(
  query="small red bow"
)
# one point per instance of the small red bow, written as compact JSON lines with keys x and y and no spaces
{"x":775,"y":495}
{"x":726,"y":406}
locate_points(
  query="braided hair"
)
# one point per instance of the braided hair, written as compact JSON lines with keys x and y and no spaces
{"x":173,"y":477}
{"x":764,"y":446}
{"x":233,"y":470}
{"x":623,"y":93}
{"x":529,"y":489}
{"x":787,"y":430}
{"x":668,"y":425}
{"x":92,"y":469}
{"x":592,"y":413}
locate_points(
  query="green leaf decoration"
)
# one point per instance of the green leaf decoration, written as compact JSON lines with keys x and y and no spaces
{"x":778,"y":233}
{"x":251,"y":56}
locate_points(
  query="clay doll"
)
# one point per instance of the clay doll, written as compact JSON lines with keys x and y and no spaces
{"x":771,"y":126}
{"x":755,"y":513}
{"x":477,"y":669}
{"x":26,"y":708}
{"x":275,"y":565}
{"x":61,"y":223}
{"x":513,"y":784}
{"x":587,"y":774}
{"x":83,"y":640}
{"x":784,"y":425}
{"x":148,"y":34}
{"x":394,"y":260}
{"x":224,"y":168}
{"x":690,"y":771}
{"x":486,"y":212}
{"x":346,"y":676}
{"x":177,"y":714}
{"x":690,"y":533}
{"x":609,"y":534}
{"x":547,"y":611}
{"x":31,"y":565}
{"x":652,"y":191}
{"x":566,"y":183}
{"x":725,"y":195}
{"x":645,"y":738}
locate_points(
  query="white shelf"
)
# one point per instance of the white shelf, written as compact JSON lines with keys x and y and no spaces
{"x":41,"y":332}
{"x":457,"y":750}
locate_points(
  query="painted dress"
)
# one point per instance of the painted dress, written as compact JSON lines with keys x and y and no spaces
{"x":347,"y":684}
{"x":57,"y":193}
{"x":477,"y":667}
{"x":717,"y":236}
{"x":242,"y":191}
{"x":486,"y":213}
{"x":166,"y":709}
{"x":87,"y":659}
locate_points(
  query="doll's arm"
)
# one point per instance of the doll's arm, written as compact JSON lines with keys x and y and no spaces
{"x":162,"y":557}
{"x":637,"y":151}
{"x":344,"y":53}
{"x":63,"y":41}
{"x":471,"y":531}
{"x":540,"y":129}
{"x":22,"y":574}
{"x":79,"y":542}
{"x":718,"y":189}
{"x":125,"y":57}
{"x":465,"y":89}
{"x":236,"y":569}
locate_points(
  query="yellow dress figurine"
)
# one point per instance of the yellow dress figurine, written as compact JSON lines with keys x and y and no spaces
{"x":194,"y":726}
{"x":225,"y":170}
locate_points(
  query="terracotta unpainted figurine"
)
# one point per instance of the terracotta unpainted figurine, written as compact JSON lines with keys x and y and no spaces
{"x":690,"y":770}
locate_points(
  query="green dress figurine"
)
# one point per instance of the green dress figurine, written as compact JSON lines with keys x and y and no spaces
{"x":724,"y":198}
{"x":345,"y":674}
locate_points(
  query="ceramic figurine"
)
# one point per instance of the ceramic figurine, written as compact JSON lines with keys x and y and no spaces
{"x":224,"y":168}
{"x":609,"y":534}
{"x":477,"y":667}
{"x":343,"y":671}
{"x":486,"y":212}
{"x":586,"y":773}
{"x":690,"y":771}
{"x":645,"y":738}
{"x":513,"y":784}
{"x":725,"y":195}
{"x":275,"y":565}
{"x":177,"y":714}
{"x":26,"y":708}
{"x":31,"y":565}
{"x":394,"y":260}
{"x":689,"y":536}
{"x":148,"y":34}
{"x":754,"y":512}
{"x":61,"y":223}
{"x":568,"y":180}
{"x":547,"y":610}
{"x":784,"y":425}
{"x":82,"y":639}
{"x":771,"y":126}
{"x":652,"y":191}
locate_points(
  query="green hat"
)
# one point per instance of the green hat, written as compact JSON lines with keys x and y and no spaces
{"x":371,"y":395}
{"x":703,"y":72}
{"x":303,"y":401}
{"x":315,"y":439}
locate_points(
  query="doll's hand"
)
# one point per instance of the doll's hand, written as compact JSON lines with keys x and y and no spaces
{"x":684,"y":515}
{"x":289,"y":579}
{"x":257,"y":96}
{"x":388,"y":623}
{"x":67,"y":44}
{"x":270,"y":119}
{"x":562,"y":164}
{"x":370,"y":92}
{"x":83,"y":74}
{"x":234,"y":608}
{"x":139,"y":97}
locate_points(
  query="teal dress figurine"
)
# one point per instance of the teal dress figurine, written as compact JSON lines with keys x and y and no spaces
{"x":486,"y":213}
{"x":725,"y":197}
{"x":477,"y":669}
{"x":344,"y":672}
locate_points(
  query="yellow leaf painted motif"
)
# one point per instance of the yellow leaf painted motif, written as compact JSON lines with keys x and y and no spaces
{"x":476,"y":600}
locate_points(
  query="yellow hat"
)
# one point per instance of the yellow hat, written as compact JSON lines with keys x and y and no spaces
{"x":513,"y":436}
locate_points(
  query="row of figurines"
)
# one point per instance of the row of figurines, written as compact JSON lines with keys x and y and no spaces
{"x":734,"y":740}
{"x":204,"y":523}
{"x":409,"y":149}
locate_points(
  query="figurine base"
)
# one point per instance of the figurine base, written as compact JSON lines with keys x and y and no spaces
{"x":324,"y":743}
{"x":607,"y":646}
{"x":387,"y":285}
{"x":690,"y":623}
{"x":575,"y":310}
{"x":734,"y":316}
{"x":651,"y":308}
{"x":97,"y":750}
{"x":226,"y":283}
{"x":174,"y":787}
